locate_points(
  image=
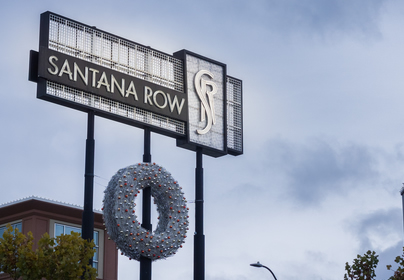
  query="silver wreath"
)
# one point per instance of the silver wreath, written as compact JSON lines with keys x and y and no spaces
{"x":120,"y":217}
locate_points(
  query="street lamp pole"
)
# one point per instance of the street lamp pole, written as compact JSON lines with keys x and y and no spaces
{"x":402,"y":198}
{"x":261,"y":265}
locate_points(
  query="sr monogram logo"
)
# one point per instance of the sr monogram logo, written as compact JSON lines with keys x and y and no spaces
{"x":205,"y":90}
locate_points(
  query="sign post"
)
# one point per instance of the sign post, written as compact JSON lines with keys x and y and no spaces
{"x":199,"y":237}
{"x":87,"y":228}
{"x":146,"y":263}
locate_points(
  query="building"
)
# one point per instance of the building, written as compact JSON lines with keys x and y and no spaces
{"x":39,"y":215}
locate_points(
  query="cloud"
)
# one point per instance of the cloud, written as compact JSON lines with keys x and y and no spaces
{"x":379,"y":230}
{"x":308,"y":173}
{"x":316,"y":169}
{"x":324,"y":18}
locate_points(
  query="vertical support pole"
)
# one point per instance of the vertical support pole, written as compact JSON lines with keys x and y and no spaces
{"x":402,"y":198}
{"x":147,"y":145}
{"x":199,"y":237}
{"x":146,"y":263}
{"x":87,"y":228}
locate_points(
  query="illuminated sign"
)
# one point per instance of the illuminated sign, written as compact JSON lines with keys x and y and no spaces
{"x":185,"y":95}
{"x":206,"y":88}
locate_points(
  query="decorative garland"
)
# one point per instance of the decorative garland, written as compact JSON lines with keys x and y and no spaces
{"x":121,"y":221}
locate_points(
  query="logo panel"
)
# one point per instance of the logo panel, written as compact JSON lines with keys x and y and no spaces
{"x":205,"y":90}
{"x":206,"y":99}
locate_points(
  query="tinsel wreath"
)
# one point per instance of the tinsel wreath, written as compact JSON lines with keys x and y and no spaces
{"x":120,"y":217}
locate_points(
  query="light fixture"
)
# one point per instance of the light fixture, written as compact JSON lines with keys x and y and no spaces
{"x":258,"y":264}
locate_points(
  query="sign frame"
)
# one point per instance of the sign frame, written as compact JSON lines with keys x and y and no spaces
{"x":188,"y":142}
{"x":35,"y":76}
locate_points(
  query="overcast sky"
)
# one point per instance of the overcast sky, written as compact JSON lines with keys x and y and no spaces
{"x":323,"y":159}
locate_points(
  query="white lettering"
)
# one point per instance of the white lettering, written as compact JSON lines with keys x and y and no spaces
{"x":95,"y":71}
{"x":103,"y":81}
{"x":174,"y":103}
{"x":131,"y":90}
{"x":51,"y":59}
{"x":164,"y":97}
{"x":147,"y":95}
{"x":114,"y":83}
{"x":66,"y":70}
{"x":157,"y":98}
{"x":206,"y":97}
{"x":76,"y":70}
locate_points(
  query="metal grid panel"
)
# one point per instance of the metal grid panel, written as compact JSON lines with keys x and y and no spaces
{"x":117,"y":108}
{"x":92,"y":45}
{"x":234,"y":115}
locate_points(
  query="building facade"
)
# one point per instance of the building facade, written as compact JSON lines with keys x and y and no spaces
{"x":39,"y":215}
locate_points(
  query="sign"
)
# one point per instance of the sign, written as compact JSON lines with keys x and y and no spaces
{"x":76,"y":73}
{"x":185,"y":95}
{"x":206,"y":88}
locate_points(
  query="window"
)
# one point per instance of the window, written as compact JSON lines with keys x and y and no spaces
{"x":66,"y":229}
{"x":15,"y":225}
{"x":57,"y":228}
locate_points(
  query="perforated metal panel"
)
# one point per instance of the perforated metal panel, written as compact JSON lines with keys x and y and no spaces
{"x":95,"y":46}
{"x":114,"y":107}
{"x":234,"y":115}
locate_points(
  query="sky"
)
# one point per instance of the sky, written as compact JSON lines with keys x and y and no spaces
{"x":319,"y":181}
